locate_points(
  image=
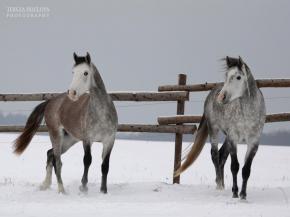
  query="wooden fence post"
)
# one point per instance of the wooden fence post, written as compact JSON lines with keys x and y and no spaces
{"x":178,"y":136}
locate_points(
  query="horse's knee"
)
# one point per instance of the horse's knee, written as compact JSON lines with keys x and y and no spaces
{"x":215,"y":155}
{"x":50,"y":157}
{"x":246,"y":172}
{"x":248,"y":162}
{"x":49,"y":152}
{"x":235,"y":166}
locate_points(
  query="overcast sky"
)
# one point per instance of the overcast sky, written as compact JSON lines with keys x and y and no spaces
{"x":139,"y":45}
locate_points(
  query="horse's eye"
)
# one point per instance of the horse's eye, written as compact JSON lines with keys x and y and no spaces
{"x":86,"y":73}
{"x":239,"y":78}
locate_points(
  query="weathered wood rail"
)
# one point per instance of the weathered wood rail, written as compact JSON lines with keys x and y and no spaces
{"x":182,"y":119}
{"x":116,"y":96}
{"x":262,"y":83}
{"x":183,"y":129}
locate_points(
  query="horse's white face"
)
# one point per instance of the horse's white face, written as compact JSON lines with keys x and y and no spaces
{"x":83,"y":80}
{"x":234,"y":87}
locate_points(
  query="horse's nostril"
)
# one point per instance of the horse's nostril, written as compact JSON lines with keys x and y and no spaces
{"x":224,"y":97}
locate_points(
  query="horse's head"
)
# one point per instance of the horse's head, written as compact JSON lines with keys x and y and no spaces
{"x":236,"y":80}
{"x":83,"y":77}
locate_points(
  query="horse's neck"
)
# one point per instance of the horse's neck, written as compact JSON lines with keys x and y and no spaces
{"x":100,"y":86}
{"x":252,"y":97}
{"x":252,"y":88}
{"x":99,"y":97}
{"x":100,"y":100}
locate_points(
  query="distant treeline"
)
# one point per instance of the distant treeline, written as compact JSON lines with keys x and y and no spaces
{"x":281,"y":138}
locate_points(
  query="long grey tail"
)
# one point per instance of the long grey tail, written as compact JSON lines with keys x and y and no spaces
{"x":32,"y":124}
{"x":200,"y":139}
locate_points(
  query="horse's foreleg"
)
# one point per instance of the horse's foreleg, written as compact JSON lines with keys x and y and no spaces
{"x":57,"y":151}
{"x":87,"y":162}
{"x":223,"y":156}
{"x":251,"y":152}
{"x":215,"y":155}
{"x":215,"y":159}
{"x":235,"y":169}
{"x":105,"y":170}
{"x":49,"y":164}
{"x":105,"y":165}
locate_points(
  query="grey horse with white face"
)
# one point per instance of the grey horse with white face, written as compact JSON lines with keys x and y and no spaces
{"x":237,"y":109}
{"x":85,"y":113}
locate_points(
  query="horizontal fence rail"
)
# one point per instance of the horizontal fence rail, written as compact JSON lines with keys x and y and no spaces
{"x":182,"y":119}
{"x":208,"y":86}
{"x":184,"y":129}
{"x":116,"y":96}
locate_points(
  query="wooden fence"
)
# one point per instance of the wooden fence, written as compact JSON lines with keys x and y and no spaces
{"x":179,"y":124}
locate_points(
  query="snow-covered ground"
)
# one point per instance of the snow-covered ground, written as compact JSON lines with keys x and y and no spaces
{"x":139,"y":183}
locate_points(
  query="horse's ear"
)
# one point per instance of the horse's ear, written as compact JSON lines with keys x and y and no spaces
{"x":240,"y":62}
{"x":88,"y":58}
{"x":75,"y":57}
{"x":228,"y":61}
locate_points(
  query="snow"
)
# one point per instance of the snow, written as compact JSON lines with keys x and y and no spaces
{"x":139,"y":183}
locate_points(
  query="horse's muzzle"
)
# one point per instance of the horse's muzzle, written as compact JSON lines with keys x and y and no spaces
{"x":222,"y":97}
{"x":72,"y":94}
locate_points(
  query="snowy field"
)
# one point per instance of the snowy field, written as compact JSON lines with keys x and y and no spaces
{"x":139,"y":183}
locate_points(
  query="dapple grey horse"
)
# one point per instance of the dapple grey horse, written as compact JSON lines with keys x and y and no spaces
{"x":237,"y":109}
{"x":85,"y":113}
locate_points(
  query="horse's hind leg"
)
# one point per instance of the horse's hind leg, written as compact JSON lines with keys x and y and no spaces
{"x":107,"y":148}
{"x":223,"y":156}
{"x":87,"y":162}
{"x":234,"y":168}
{"x":251,"y":152}
{"x":49,"y":164}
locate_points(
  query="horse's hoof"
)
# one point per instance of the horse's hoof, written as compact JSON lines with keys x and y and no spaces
{"x":243,"y":196}
{"x":104,"y":190}
{"x":235,"y":195}
{"x":44,"y":187}
{"x":83,"y":189}
{"x":61,"y":190}
{"x":220,"y":187}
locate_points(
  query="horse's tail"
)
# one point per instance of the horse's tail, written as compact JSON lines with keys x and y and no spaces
{"x":32,"y":124}
{"x":200,"y":139}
